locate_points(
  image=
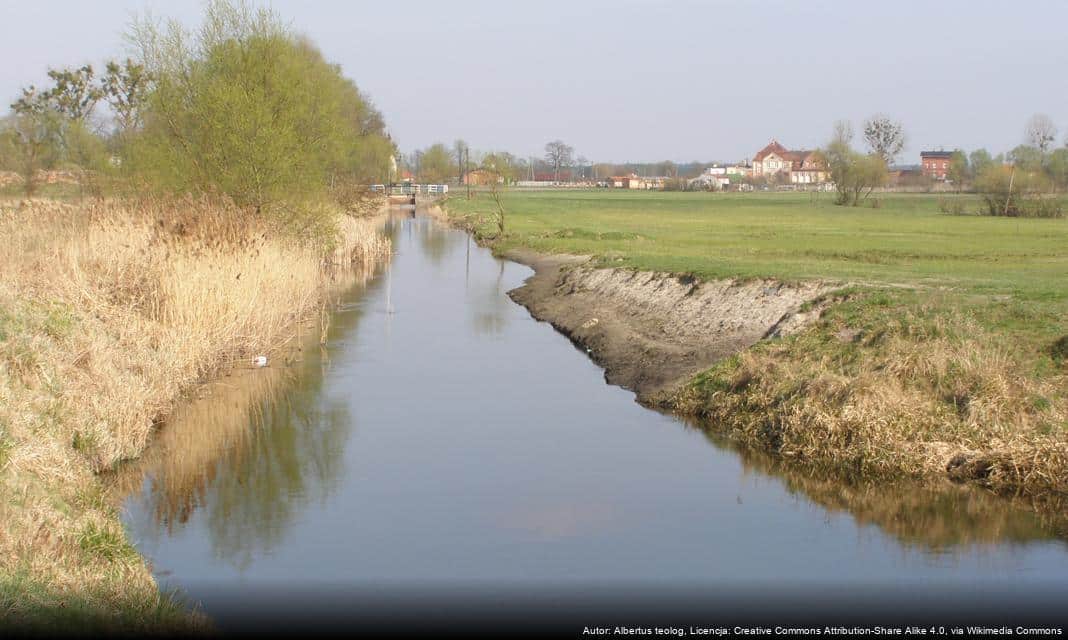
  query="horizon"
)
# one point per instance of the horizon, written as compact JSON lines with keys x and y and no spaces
{"x":632,"y":82}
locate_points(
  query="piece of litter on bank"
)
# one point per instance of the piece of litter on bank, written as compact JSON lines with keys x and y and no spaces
{"x":260,"y":361}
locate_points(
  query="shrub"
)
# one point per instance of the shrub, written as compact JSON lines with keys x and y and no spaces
{"x":248,"y":110}
{"x":1007,"y":191}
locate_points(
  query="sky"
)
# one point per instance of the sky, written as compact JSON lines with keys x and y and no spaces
{"x":638,"y":80}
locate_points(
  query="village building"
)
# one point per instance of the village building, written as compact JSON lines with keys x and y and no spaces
{"x":481,"y":177}
{"x":710,"y":181}
{"x":935,"y":164}
{"x":804,"y":166}
{"x":626,"y":182}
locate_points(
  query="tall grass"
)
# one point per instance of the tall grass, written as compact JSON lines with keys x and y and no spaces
{"x":881,"y":386}
{"x":109,"y":313}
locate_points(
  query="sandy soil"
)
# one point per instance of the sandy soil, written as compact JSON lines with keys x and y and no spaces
{"x":651,"y":332}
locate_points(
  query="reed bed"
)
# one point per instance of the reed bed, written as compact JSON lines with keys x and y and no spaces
{"x":876,"y":389}
{"x":111,"y":312}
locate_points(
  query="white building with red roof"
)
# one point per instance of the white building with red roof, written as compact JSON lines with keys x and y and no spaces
{"x":802,"y":166}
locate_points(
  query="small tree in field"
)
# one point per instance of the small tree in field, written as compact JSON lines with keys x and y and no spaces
{"x":501,"y":168}
{"x":1040,"y":132}
{"x":558,"y":155}
{"x":32,"y":137}
{"x":885,"y":137}
{"x":855,"y":175}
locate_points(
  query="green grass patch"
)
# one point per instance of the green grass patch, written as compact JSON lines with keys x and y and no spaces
{"x":105,"y":543}
{"x":792,"y":236}
{"x":32,"y":607}
{"x":1008,"y":274}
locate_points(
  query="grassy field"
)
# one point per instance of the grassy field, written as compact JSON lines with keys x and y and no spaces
{"x":793,"y":236}
{"x":946,"y":350}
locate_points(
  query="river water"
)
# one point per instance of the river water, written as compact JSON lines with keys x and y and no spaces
{"x":445,"y":442}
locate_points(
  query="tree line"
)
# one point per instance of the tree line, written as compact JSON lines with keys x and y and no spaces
{"x":559,"y":163}
{"x":241,"y":107}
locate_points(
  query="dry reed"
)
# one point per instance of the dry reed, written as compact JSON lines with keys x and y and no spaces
{"x":897,"y":393}
{"x":109,"y":313}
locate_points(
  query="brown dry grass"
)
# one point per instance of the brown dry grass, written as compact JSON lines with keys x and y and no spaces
{"x":898,"y":389}
{"x":109,"y":313}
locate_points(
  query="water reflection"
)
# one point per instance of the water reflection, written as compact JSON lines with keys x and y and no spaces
{"x":937,"y":516}
{"x":434,"y":240}
{"x":489,"y":304}
{"x":251,"y":449}
{"x":458,"y":440}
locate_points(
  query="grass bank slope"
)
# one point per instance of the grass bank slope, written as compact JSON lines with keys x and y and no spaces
{"x":946,"y":351}
{"x":109,"y":313}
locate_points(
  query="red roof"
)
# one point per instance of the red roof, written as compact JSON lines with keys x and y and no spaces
{"x":773,"y":147}
{"x":797,"y":157}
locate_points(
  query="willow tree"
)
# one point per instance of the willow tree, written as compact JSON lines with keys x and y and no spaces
{"x":245,"y":108}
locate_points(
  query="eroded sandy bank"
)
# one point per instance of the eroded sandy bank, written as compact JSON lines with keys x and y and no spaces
{"x":652,"y":332}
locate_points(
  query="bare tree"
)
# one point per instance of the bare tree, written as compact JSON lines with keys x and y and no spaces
{"x":843,"y":132}
{"x":463,"y":156}
{"x":885,"y":137}
{"x":582,"y":163}
{"x":558,"y":155}
{"x":1041,"y":132}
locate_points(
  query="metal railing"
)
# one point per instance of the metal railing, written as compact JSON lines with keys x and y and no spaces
{"x":407,"y":189}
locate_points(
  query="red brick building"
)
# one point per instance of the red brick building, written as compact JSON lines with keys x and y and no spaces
{"x":935,"y":164}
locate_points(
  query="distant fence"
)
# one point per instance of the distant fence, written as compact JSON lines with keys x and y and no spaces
{"x":407,"y":189}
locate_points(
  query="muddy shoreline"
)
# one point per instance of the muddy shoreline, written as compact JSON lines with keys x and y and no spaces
{"x":652,"y":332}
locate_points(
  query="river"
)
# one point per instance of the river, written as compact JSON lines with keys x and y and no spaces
{"x":445,"y":442}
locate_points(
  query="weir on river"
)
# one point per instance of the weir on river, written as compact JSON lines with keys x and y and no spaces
{"x":446,"y":440}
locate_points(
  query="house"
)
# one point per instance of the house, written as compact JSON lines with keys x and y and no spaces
{"x":482,"y":177}
{"x":710,"y":181}
{"x":935,"y":164}
{"x":736,"y":170}
{"x":739,"y":170}
{"x":714,"y":178}
{"x":771,"y":160}
{"x":803,"y":166}
{"x":626,"y":182}
{"x":906,"y":176}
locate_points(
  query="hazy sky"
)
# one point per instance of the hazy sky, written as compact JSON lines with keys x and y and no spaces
{"x":630,"y":80}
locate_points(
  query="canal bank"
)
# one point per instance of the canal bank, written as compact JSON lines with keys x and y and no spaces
{"x":111,"y":314}
{"x":449,"y":448}
{"x":860,"y":380}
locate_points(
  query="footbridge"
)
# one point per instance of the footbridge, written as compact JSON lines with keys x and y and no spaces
{"x":408,"y":192}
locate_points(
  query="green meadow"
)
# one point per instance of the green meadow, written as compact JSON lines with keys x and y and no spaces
{"x":791,"y":236}
{"x":1008,"y":274}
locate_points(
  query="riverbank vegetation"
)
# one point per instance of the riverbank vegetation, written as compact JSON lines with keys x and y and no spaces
{"x":111,"y":313}
{"x":942,"y":352}
{"x":196,"y":225}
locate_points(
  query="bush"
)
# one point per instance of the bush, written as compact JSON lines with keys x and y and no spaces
{"x":1007,"y":191}
{"x":248,"y":110}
